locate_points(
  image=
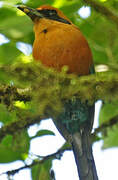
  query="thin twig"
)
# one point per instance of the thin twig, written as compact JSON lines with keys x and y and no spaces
{"x":38,"y":161}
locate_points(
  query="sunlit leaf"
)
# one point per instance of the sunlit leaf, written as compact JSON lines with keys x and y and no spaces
{"x":21,"y":104}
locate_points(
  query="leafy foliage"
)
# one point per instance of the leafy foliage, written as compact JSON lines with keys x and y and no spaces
{"x":102,"y":35}
{"x":42,"y":172}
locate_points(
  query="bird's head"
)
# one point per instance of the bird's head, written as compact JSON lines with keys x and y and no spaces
{"x":44,"y":11}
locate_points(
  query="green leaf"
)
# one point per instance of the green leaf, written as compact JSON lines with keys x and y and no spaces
{"x":42,"y":171}
{"x":5,"y":14}
{"x":111,"y":138}
{"x":35,"y":171}
{"x":66,"y":146}
{"x":108,"y":111}
{"x":14,"y":148}
{"x":8,"y":53}
{"x":7,"y":154}
{"x":16,"y":27}
{"x":43,"y":132}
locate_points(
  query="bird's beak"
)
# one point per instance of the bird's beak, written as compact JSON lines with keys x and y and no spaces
{"x":31,"y":12}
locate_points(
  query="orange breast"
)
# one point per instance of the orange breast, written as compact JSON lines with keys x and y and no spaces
{"x":57,"y":44}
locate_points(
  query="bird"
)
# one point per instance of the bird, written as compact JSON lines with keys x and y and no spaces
{"x":58,"y":42}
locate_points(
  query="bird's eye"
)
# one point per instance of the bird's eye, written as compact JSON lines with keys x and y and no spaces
{"x":52,"y":12}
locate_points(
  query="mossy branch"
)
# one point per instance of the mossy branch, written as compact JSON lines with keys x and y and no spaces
{"x":46,"y":90}
{"x":33,"y":81}
{"x":6,"y":92}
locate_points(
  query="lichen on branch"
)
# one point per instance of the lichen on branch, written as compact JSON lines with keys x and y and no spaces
{"x":45,"y":90}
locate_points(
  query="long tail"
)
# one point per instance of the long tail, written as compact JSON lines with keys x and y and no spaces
{"x":82,"y":149}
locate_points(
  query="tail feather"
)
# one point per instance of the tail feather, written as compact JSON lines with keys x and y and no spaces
{"x":82,"y":149}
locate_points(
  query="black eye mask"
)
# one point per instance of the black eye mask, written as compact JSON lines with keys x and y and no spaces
{"x":52,"y":14}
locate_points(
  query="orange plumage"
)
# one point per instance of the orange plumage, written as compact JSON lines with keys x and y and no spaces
{"x":57,"y":44}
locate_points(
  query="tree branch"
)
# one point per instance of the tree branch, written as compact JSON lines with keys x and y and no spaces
{"x":102,"y":86}
{"x":50,"y":87}
{"x":103,"y":10}
{"x":46,"y":82}
{"x":19,"y":125}
{"x":40,"y":160}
